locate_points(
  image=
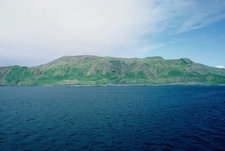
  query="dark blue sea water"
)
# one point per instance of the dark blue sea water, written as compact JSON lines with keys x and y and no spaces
{"x":112,"y":118}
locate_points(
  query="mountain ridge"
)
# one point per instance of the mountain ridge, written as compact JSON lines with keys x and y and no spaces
{"x":94,"y":70}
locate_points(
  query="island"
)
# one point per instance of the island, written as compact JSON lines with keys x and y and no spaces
{"x":94,"y":70}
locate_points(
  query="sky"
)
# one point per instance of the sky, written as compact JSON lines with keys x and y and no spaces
{"x":34,"y":32}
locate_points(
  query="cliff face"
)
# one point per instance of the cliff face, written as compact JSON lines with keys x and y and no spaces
{"x":92,"y":70}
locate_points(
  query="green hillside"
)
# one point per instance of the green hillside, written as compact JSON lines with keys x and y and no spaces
{"x":93,"y":70}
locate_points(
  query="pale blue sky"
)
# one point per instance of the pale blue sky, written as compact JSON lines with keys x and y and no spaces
{"x":205,"y":45}
{"x":34,"y":32}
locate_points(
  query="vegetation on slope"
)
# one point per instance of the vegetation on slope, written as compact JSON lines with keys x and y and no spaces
{"x":92,"y":70}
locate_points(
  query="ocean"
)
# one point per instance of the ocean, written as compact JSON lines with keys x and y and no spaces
{"x":112,"y":118}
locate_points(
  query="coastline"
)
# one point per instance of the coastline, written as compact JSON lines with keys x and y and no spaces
{"x":116,"y":85}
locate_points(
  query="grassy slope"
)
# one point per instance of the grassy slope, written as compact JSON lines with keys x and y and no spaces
{"x":106,"y":70}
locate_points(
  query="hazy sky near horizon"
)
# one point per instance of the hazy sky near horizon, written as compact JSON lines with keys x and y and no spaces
{"x":33,"y":32}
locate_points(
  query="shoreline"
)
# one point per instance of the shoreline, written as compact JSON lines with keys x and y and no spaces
{"x":115,"y":85}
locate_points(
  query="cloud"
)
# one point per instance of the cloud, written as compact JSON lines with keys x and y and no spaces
{"x":220,"y":66}
{"x":43,"y":30}
{"x":203,"y":13}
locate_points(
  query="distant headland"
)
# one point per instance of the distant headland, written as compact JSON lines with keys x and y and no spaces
{"x":94,"y":70}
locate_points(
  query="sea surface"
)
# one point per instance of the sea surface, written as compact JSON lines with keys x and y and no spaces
{"x":112,"y":118}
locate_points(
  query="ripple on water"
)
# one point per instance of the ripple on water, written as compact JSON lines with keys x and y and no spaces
{"x":112,"y":118}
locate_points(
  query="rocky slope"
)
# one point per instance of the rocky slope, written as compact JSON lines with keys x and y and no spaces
{"x":93,"y":70}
